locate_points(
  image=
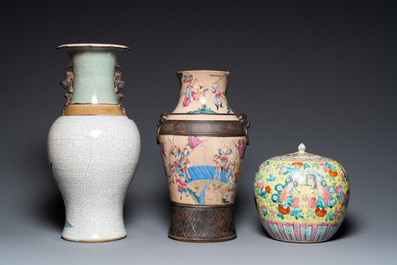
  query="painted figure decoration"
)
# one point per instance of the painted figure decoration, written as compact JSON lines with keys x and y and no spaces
{"x":202,"y":147}
{"x":200,"y":99}
{"x":195,"y":179}
{"x":301,"y":197}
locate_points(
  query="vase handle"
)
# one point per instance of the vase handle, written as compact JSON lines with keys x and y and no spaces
{"x":163,"y":118}
{"x":242,"y":118}
{"x":68,"y":85}
{"x":118,"y":86}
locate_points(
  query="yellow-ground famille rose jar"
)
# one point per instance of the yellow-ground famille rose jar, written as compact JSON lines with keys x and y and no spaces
{"x":301,"y":197}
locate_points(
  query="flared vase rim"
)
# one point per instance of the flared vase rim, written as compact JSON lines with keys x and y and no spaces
{"x":203,"y":71}
{"x":93,"y":45}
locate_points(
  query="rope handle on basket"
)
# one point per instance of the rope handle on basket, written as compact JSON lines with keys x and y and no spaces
{"x":163,"y":118}
{"x":242,"y":118}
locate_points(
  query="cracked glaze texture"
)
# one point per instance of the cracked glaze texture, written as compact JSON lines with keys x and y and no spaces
{"x":93,"y":160}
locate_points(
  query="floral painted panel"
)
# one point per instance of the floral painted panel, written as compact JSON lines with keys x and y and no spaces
{"x":301,"y":189}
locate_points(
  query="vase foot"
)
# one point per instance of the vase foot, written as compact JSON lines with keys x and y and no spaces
{"x":202,"y":223}
{"x":198,"y":240}
{"x":95,"y":240}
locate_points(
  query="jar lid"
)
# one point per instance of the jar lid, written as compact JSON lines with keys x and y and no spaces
{"x":301,"y":156}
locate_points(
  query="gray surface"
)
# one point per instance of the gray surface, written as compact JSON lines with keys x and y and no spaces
{"x":317,"y":72}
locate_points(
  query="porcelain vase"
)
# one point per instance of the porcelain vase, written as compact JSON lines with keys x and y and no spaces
{"x":93,"y":147}
{"x":202,"y":147}
{"x":301,"y":197}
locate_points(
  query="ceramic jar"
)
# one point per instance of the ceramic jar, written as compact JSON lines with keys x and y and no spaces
{"x":202,"y":147}
{"x":93,"y":147}
{"x":301,"y":197}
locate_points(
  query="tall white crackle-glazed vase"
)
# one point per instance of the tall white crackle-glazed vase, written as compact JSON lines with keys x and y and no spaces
{"x":93,"y":148}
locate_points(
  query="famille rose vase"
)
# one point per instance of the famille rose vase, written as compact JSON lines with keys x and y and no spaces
{"x":202,"y":146}
{"x":301,"y":197}
{"x":93,"y":148}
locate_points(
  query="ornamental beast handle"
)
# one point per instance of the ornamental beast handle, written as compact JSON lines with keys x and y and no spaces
{"x":163,"y":118}
{"x":242,"y":118}
{"x":68,"y":85}
{"x":118,"y":86}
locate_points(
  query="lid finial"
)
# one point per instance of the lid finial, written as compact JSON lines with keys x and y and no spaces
{"x":302,"y":148}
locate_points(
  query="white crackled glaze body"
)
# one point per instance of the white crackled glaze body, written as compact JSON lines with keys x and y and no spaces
{"x":93,"y":160}
{"x":93,"y":148}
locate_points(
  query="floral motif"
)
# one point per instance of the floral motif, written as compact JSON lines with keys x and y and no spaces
{"x":302,"y":189}
{"x":299,"y":164}
{"x":332,"y":173}
{"x":260,"y":184}
{"x":279,"y":188}
{"x":187,"y":78}
{"x":284,"y":210}
{"x":275,"y":198}
{"x":282,"y":170}
{"x":312,"y":202}
{"x":331,"y":202}
{"x":193,"y":142}
{"x":338,"y":188}
{"x":296,"y":203}
{"x":162,"y":149}
{"x":241,"y":148}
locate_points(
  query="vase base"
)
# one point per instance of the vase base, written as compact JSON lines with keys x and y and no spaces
{"x":95,"y":240}
{"x":202,"y":223}
{"x":299,"y":242}
{"x":199,"y":240}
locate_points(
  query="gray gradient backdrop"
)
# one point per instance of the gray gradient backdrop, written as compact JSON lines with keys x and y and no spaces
{"x":318,"y":72}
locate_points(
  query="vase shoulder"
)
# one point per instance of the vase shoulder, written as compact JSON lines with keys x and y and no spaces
{"x":93,"y":109}
{"x":202,"y":117}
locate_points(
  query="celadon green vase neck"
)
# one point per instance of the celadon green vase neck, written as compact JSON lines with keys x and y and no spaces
{"x":93,"y":70}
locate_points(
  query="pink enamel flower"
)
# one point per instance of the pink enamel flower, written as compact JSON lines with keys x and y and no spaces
{"x":325,"y":193}
{"x":312,"y":202}
{"x":188,"y":78}
{"x":240,"y":148}
{"x":260,"y":184}
{"x":296,"y":203}
{"x":336,"y":213}
{"x":324,"y":167}
{"x":162,"y":148}
{"x":271,"y":213}
{"x":193,"y":142}
{"x":282,"y":170}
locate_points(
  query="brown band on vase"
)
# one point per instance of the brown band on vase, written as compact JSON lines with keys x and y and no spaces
{"x":93,"y":109}
{"x":202,"y":128}
{"x":202,"y":223}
